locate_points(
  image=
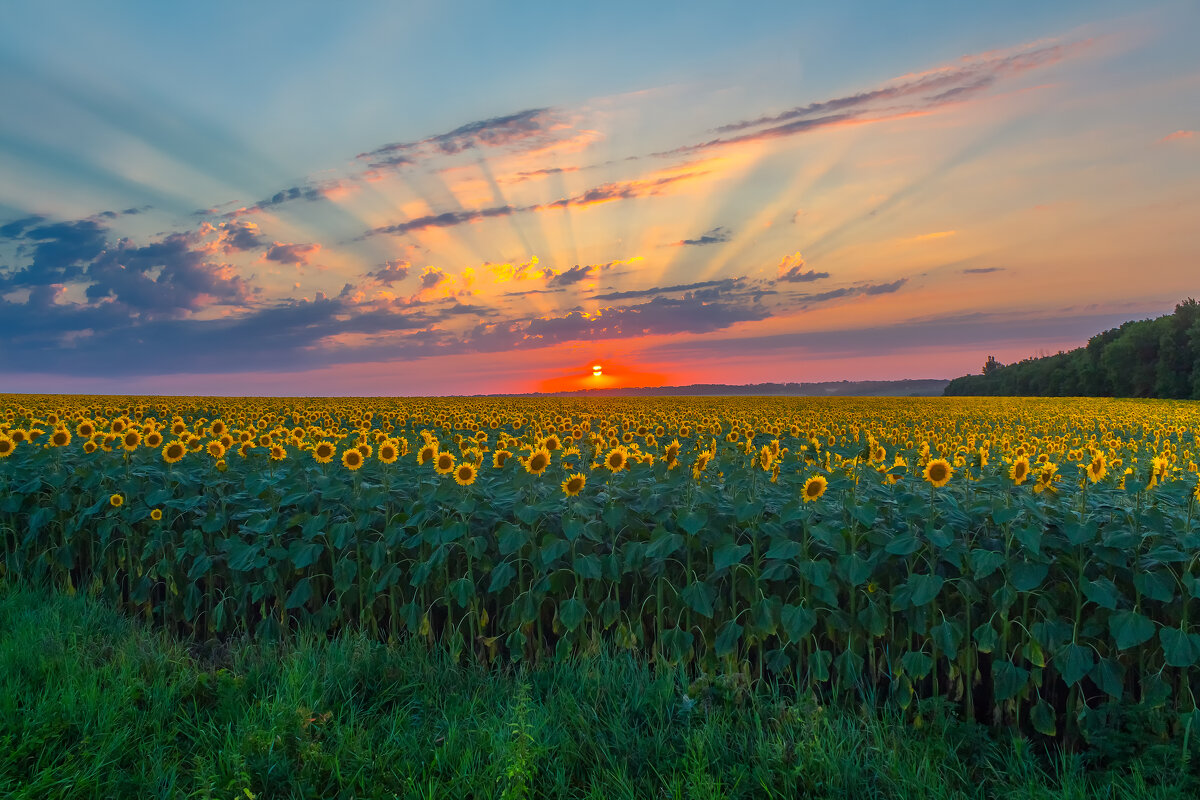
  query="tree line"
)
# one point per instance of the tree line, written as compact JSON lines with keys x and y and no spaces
{"x":1145,"y":358}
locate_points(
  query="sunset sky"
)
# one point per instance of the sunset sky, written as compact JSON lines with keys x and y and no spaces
{"x":446,"y":198}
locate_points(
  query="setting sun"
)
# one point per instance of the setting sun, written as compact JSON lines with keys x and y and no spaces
{"x":596,"y":372}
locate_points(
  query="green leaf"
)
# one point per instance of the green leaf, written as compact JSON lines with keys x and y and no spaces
{"x":1179,"y":647}
{"x":986,"y":638}
{"x":797,"y":621}
{"x":849,"y":666}
{"x":462,"y":590}
{"x":1030,"y":536}
{"x":948,"y":635}
{"x":1073,"y":662}
{"x":343,"y":574}
{"x":1027,"y":576}
{"x":1129,"y":629}
{"x":301,"y":593}
{"x":729,"y":555}
{"x":727,"y":638}
{"x":1003,"y":516}
{"x":571,"y":613}
{"x":588,"y":567}
{"x":903,"y":545}
{"x":553,"y":551}
{"x":699,"y":597}
{"x":676,"y":645}
{"x":818,"y":664}
{"x":865,"y":513}
{"x":924,"y":588}
{"x":664,"y":545}
{"x":502,"y":575}
{"x":693,"y":521}
{"x":1008,"y":679}
{"x":1157,"y":585}
{"x":200,"y":567}
{"x":1103,"y":592}
{"x":916,"y":664}
{"x":1041,"y":716}
{"x":784,"y":550}
{"x":985,"y":562}
{"x":1109,"y":675}
{"x":304,"y":554}
{"x":512,"y":539}
{"x":856,"y":568}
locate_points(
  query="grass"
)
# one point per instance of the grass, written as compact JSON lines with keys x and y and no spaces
{"x":95,"y":705}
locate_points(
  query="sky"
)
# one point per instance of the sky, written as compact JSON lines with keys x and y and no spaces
{"x":429,"y":198}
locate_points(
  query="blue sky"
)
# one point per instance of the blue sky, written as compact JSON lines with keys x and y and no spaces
{"x":257,"y":197}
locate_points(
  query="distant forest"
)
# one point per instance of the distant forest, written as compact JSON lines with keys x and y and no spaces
{"x":1147,"y":358}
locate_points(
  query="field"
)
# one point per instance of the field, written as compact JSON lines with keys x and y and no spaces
{"x":1031,"y":562}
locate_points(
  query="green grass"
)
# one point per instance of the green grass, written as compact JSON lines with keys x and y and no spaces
{"x":95,"y":705}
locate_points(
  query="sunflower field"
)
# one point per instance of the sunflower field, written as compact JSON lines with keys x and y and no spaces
{"x":1031,"y":560}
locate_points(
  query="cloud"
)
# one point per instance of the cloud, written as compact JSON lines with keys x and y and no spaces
{"x":431,"y":277}
{"x":725,"y":283}
{"x":907,"y":96}
{"x":1178,"y":136}
{"x":299,"y":254}
{"x":392,"y":271}
{"x":573,"y":275}
{"x":621,"y":190}
{"x":446,"y":219}
{"x":982,"y":270}
{"x":60,"y":249}
{"x":863,"y":290}
{"x":522,"y":128}
{"x":791,"y":270}
{"x":235,"y":237}
{"x":715,"y":236}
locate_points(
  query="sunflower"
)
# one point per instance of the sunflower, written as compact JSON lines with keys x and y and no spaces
{"x":814,"y":487}
{"x":116,"y":501}
{"x":1098,"y":468}
{"x":616,"y":459}
{"x":1046,"y":478}
{"x":18,"y":435}
{"x":85,"y":429}
{"x":156,"y":514}
{"x":766,"y":459}
{"x":153,"y":439}
{"x":89,"y":446}
{"x":538,"y":461}
{"x":7,"y":446}
{"x":427,"y":453}
{"x":499,"y":457}
{"x":574,"y":484}
{"x":323,"y":452}
{"x":464,"y":475}
{"x":216,"y":449}
{"x":278,"y":453}
{"x":352,"y":459}
{"x":1019,"y":470}
{"x":444,"y":464}
{"x":388,"y":453}
{"x":60,"y":438}
{"x":879,"y":453}
{"x":938,"y":472}
{"x":551,"y":443}
{"x":131,"y":440}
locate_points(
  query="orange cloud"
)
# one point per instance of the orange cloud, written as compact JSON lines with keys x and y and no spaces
{"x":1178,"y":136}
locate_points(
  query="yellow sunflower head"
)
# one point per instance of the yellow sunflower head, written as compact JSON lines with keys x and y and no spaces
{"x":616,"y":459}
{"x":538,"y":461}
{"x":352,"y":459}
{"x":938,"y":472}
{"x":574,"y":484}
{"x":156,"y":514}
{"x":116,"y":501}
{"x":444,"y":463}
{"x":464,"y":474}
{"x":814,"y":487}
{"x":323,"y":452}
{"x":499,"y":457}
{"x":388,"y":452}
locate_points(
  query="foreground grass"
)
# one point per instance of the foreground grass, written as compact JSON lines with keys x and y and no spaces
{"x":93,"y":705}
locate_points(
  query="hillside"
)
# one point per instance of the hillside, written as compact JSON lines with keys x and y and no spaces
{"x":1145,"y":358}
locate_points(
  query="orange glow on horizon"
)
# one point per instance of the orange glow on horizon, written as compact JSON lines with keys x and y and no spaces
{"x":601,"y":375}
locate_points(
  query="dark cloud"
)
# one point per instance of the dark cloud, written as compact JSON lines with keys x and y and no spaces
{"x":240,"y":236}
{"x":392,"y":271}
{"x":863,"y":290}
{"x":982,"y":270}
{"x":298,"y":254}
{"x":715,"y":236}
{"x":533,"y":291}
{"x":533,"y":123}
{"x":163,"y":278}
{"x":432,"y":276}
{"x":448,"y":219}
{"x":726,"y":283}
{"x":573,"y":275}
{"x":59,"y":249}
{"x":916,"y":94}
{"x":796,"y":275}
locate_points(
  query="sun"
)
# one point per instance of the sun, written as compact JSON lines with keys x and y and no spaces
{"x":596,"y":371}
